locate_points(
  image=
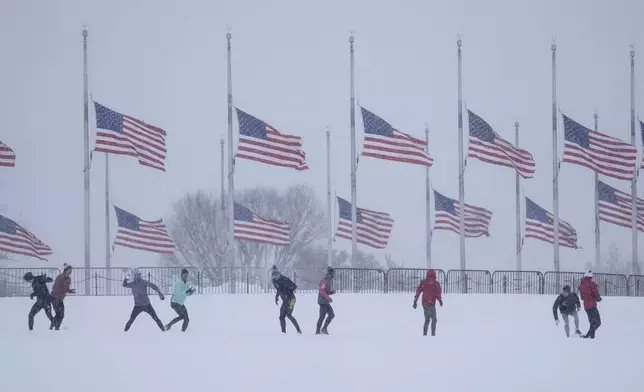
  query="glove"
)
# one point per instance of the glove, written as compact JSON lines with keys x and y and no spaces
{"x":127,"y":276}
{"x":162,"y":297}
{"x":72,"y":291}
{"x":276,"y":299}
{"x":330,"y":300}
{"x":190,"y":291}
{"x":415,"y":305}
{"x":32,"y":295}
{"x":557,"y":322}
{"x":440,"y":301}
{"x":599,"y":299}
{"x":331,"y":292}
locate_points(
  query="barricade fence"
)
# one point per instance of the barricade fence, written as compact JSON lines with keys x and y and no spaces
{"x":242,"y":280}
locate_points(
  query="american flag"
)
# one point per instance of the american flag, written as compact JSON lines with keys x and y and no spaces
{"x":18,"y":240}
{"x":487,"y":146}
{"x":7,"y":156}
{"x":258,"y":141}
{"x":373,"y":228}
{"x":382,"y":141}
{"x":136,"y":233}
{"x":597,"y":151}
{"x":539,"y":224}
{"x":616,"y":207}
{"x":252,"y":227}
{"x":477,"y":219}
{"x":124,"y":135}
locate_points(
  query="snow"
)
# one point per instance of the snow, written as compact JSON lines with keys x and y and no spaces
{"x":484,"y":342}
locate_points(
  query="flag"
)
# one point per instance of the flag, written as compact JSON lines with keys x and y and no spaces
{"x":260,"y":142}
{"x":136,"y":233}
{"x":373,"y":228}
{"x":487,"y":146}
{"x":18,"y":240}
{"x":382,"y":141}
{"x":124,"y":135}
{"x":252,"y":227}
{"x":7,"y":156}
{"x":539,"y":224}
{"x":477,"y":219}
{"x":597,"y":151}
{"x":616,"y":207}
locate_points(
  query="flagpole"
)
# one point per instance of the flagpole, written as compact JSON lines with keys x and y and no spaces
{"x":231,"y":160}
{"x":223,"y":175}
{"x":461,"y":168}
{"x":555,"y":163}
{"x":354,"y":197}
{"x":86,"y":171}
{"x":597,"y":228}
{"x":108,"y":245}
{"x":428,"y":190}
{"x":328,"y":199}
{"x":634,"y":181}
{"x":518,"y":203}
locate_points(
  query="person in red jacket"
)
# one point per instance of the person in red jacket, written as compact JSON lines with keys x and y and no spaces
{"x":590,"y":295}
{"x":431,"y":290}
{"x":58,"y":293}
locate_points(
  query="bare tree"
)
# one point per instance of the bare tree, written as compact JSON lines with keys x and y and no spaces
{"x":199,"y":227}
{"x":613,"y":262}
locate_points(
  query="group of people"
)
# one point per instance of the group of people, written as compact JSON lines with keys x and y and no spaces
{"x":567,"y":302}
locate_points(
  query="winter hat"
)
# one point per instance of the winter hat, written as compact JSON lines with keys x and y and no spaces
{"x":588,"y":274}
{"x":184,"y":271}
{"x":66,"y":267}
{"x":275,"y":273}
{"x":566,"y":288}
{"x":137,"y":272}
{"x":28,"y":276}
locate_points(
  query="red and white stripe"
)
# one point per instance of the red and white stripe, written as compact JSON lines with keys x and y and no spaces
{"x":263,"y":230}
{"x":143,"y":141}
{"x":374,"y":230}
{"x":22,"y":242}
{"x":477,"y":221}
{"x":7,"y":156}
{"x":153,"y":237}
{"x":277,"y":149}
{"x":546,"y":232}
{"x":502,"y":153}
{"x":400,"y":148}
{"x":621,"y":214}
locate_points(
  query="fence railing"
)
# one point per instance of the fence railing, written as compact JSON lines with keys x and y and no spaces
{"x":242,"y":280}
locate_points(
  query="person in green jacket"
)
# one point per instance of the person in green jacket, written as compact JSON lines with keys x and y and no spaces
{"x":180,"y":291}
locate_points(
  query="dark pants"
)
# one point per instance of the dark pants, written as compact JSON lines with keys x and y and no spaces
{"x":286,"y":311}
{"x":182,"y":315}
{"x":430,"y":315}
{"x":59,"y":308}
{"x":325,"y":311}
{"x":147,"y":309}
{"x":594,"y":320}
{"x":41,"y":304}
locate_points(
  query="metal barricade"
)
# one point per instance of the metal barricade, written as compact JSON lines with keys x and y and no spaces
{"x":612,"y":284}
{"x":102,"y":280}
{"x":12,"y":283}
{"x":359,"y":280}
{"x":233,"y":280}
{"x":469,"y":281}
{"x":517,"y":282}
{"x":164,"y":277}
{"x":636,"y":285}
{"x":553,"y":282}
{"x":406,"y":280}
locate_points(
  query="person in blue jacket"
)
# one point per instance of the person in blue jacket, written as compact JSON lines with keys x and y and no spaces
{"x":180,"y":291}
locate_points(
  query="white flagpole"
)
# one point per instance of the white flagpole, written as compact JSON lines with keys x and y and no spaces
{"x":461,"y":164}
{"x":354,"y":197}
{"x":636,"y":269}
{"x":231,"y":160}
{"x":555,"y":164}
{"x":428,"y":198}
{"x":518,"y":204}
{"x":86,"y":172}
{"x":597,"y":227}
{"x":329,"y":207}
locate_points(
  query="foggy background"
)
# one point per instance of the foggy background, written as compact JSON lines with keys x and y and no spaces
{"x":165,"y":62}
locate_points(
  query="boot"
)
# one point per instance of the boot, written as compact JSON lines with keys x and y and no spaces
{"x":167,"y":327}
{"x":324,"y":331}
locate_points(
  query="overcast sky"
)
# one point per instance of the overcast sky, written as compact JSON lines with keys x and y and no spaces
{"x":165,"y":62}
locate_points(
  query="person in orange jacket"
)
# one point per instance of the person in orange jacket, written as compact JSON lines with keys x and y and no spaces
{"x":431,"y":290}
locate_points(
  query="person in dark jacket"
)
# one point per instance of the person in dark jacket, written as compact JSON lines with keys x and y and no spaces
{"x":43,"y":298}
{"x":324,"y":300}
{"x":431,"y":291}
{"x":590,"y":295}
{"x":568,"y":304}
{"x":141,"y":300}
{"x":285,"y":289}
{"x":59,"y":292}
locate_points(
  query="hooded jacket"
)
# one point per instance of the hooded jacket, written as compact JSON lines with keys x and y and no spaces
{"x":140,"y":291}
{"x":431,"y":290}
{"x":39,"y":285}
{"x":180,"y":291}
{"x":61,"y":286}
{"x":326,"y":290}
{"x":589,"y":292}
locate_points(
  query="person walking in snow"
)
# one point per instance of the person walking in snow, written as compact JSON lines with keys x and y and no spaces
{"x":180,"y":291}
{"x":568,"y":304}
{"x":58,"y":293}
{"x":285,"y":289}
{"x":43,"y":298}
{"x":324,"y":300}
{"x":431,"y":291}
{"x":142,"y":303}
{"x":590,"y":295}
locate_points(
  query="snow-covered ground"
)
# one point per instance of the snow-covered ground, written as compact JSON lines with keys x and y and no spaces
{"x":484,"y":343}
